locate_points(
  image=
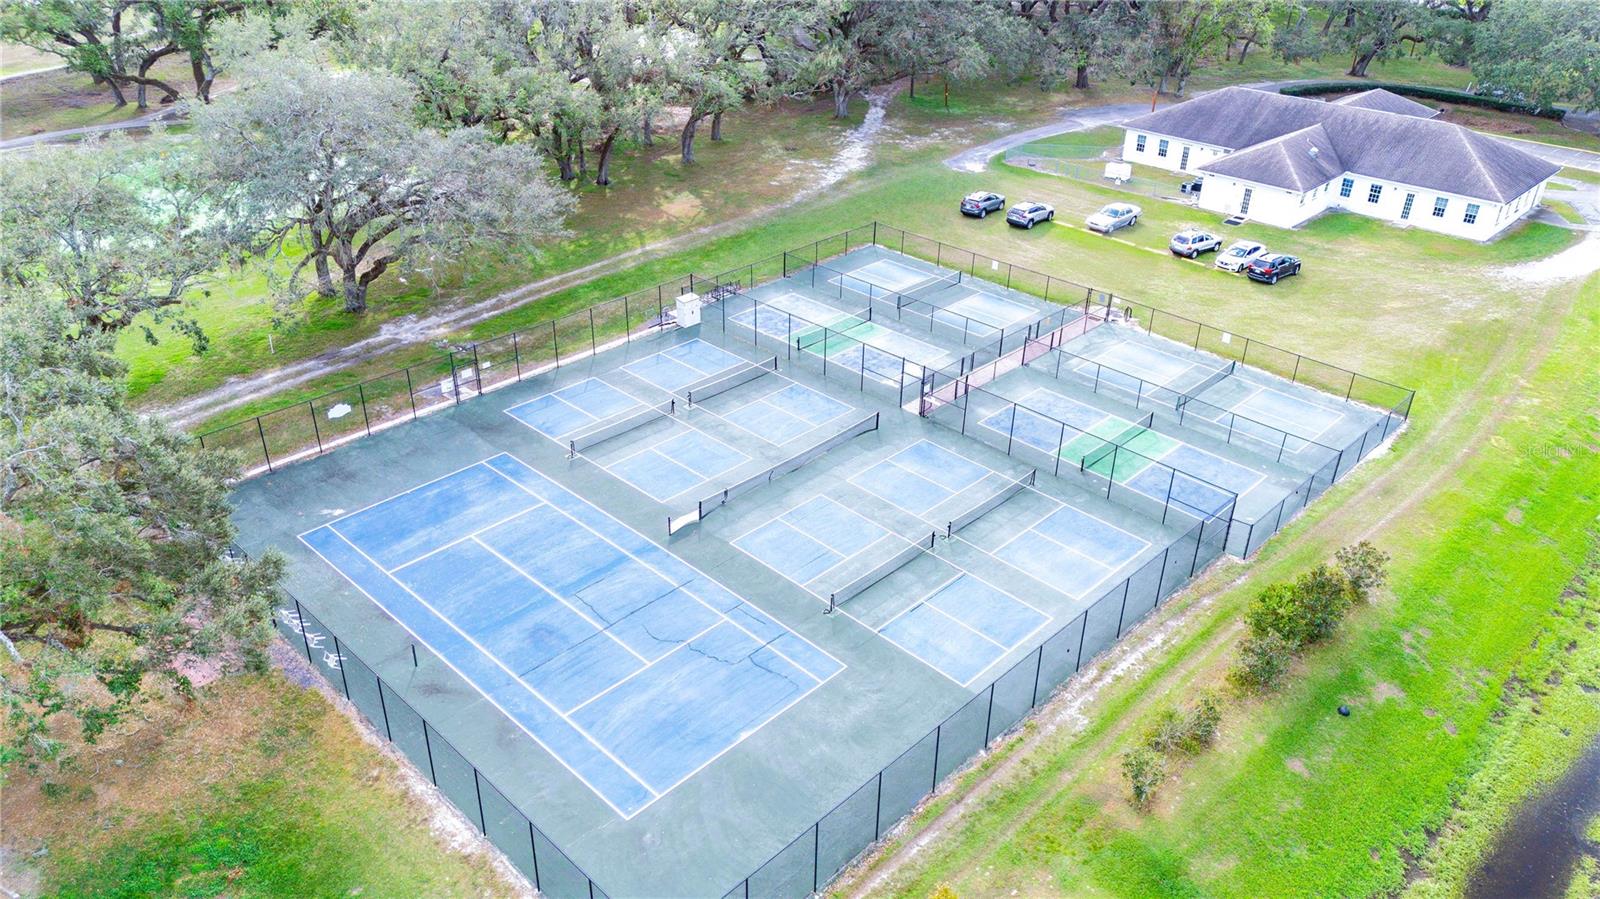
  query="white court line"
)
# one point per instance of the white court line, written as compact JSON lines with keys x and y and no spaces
{"x":604,"y":629}
{"x":1338,"y":416}
{"x":886,"y":532}
{"x":920,"y":516}
{"x":445,"y":658}
{"x":1033,"y":529}
{"x":651,"y":664}
{"x":1045,"y":619}
{"x":655,"y":447}
{"x":561,"y":441}
{"x":760,"y":642}
{"x":769,"y":645}
{"x":659,"y":573}
{"x":502,"y":666}
{"x":1178,"y":444}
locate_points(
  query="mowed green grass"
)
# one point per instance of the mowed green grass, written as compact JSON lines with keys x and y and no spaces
{"x":260,"y":788}
{"x":1489,"y":518}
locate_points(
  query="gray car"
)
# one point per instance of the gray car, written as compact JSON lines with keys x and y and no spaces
{"x":1191,"y":243}
{"x":1027,"y":214}
{"x":1113,"y":216}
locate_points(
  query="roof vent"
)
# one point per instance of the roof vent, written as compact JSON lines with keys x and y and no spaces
{"x":1313,"y":152}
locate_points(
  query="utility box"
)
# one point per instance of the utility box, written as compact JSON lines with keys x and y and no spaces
{"x":687,"y":315}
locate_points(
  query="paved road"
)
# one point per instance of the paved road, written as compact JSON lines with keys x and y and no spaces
{"x":168,"y":114}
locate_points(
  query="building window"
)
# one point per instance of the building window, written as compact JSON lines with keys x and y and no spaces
{"x":1439,"y":203}
{"x":1161,"y":148}
{"x":1405,"y":210}
{"x":1348,"y":185}
{"x":1183,"y":161}
{"x":1374,"y":192}
{"x":1138,"y":144}
{"x":1472,"y":214}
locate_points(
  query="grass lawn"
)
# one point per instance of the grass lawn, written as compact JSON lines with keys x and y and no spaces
{"x":1490,"y":517}
{"x":1511,"y":124}
{"x":53,"y":101}
{"x":1565,"y":210}
{"x":1259,"y":66}
{"x":1076,"y":144}
{"x":1583,"y":175}
{"x":16,"y":58}
{"x":259,"y":788}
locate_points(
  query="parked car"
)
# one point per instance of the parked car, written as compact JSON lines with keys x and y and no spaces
{"x":1112,"y":217}
{"x":1271,"y":267}
{"x":982,"y":203}
{"x":1027,"y":214}
{"x":1192,"y":186}
{"x":1243,"y":252}
{"x":1191,"y":243}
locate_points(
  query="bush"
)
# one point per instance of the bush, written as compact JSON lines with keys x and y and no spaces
{"x":1365,"y":566}
{"x":1189,"y":731}
{"x":944,"y":891}
{"x":1322,"y":596}
{"x":1144,"y":768}
{"x":1275,"y":611}
{"x":1263,"y":661}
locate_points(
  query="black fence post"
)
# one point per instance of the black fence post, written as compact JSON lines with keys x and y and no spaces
{"x":262,"y":433}
{"x":938,"y":733}
{"x":383,"y":706}
{"x":361,"y":391}
{"x":412,"y":393}
{"x":483,"y":823}
{"x":311,"y":407}
{"x":533,"y":847}
{"x":455,"y":384}
{"x":338,"y":657}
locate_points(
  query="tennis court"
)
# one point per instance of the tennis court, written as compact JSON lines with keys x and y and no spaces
{"x":896,"y":276}
{"x":1072,"y":550}
{"x":842,"y":338}
{"x":630,"y":667}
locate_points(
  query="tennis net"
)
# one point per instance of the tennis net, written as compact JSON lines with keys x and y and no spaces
{"x":705,"y":389}
{"x":989,"y":505}
{"x":923,"y":291}
{"x":1090,"y":460}
{"x":601,"y":431}
{"x":1212,"y":380}
{"x":887,"y":567}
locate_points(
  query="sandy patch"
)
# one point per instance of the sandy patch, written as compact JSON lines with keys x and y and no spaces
{"x":1577,"y":261}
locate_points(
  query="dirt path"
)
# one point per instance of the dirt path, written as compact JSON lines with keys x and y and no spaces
{"x":1396,"y":491}
{"x":853,"y":154}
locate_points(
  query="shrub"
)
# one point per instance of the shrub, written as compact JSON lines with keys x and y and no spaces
{"x":1201,"y":727}
{"x":1273,"y":611}
{"x":1365,"y":566}
{"x":1189,"y":731}
{"x":1144,"y":768}
{"x":1263,"y":660}
{"x":944,"y":891}
{"x":1321,"y":597}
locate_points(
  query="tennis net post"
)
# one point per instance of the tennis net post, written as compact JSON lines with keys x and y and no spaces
{"x":913,"y":549}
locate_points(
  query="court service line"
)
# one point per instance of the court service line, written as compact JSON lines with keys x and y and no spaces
{"x":501,"y":665}
{"x":659,"y":573}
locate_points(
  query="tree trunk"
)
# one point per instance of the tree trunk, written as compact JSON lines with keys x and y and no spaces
{"x":716,"y":125}
{"x":913,"y":85}
{"x":649,"y":136}
{"x":686,"y":139}
{"x":1358,"y":66}
{"x":119,"y":100}
{"x":200,"y":67}
{"x":1245,"y":49}
{"x":139,"y":95}
{"x":946,"y":81}
{"x":1081,"y":82}
{"x":324,"y":276}
{"x":602,"y":172}
{"x":841,"y":100}
{"x":355,"y":293}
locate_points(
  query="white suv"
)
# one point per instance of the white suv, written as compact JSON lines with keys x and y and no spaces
{"x":1241,"y":254}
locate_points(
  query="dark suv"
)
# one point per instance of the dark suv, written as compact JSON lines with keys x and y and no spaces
{"x":982,"y":203}
{"x":1272,"y":267}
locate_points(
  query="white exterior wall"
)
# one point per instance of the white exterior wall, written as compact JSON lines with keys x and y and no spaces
{"x":1199,"y":154}
{"x":1286,"y":208}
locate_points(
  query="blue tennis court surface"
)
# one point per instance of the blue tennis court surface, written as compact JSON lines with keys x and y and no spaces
{"x":682,"y":461}
{"x":561,"y":413}
{"x":806,"y":542}
{"x":963,"y":627}
{"x":1071,"y":550}
{"x":786,"y":413}
{"x":683,"y":364}
{"x":921,"y":477}
{"x":630,"y":667}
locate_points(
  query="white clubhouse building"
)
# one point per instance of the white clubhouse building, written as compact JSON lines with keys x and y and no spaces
{"x":1281,"y":160}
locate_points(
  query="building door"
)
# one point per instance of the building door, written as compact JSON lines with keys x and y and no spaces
{"x":1183,"y":161}
{"x":1405,"y":211}
{"x":1244,"y":204}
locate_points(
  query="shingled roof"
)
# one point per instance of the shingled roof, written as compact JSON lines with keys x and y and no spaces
{"x":1274,"y":136}
{"x":1386,"y":101}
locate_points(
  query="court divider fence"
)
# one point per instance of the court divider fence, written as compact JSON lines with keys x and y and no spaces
{"x":495,"y":816}
{"x":818,"y":853}
{"x":868,"y":813}
{"x":311,"y":427}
